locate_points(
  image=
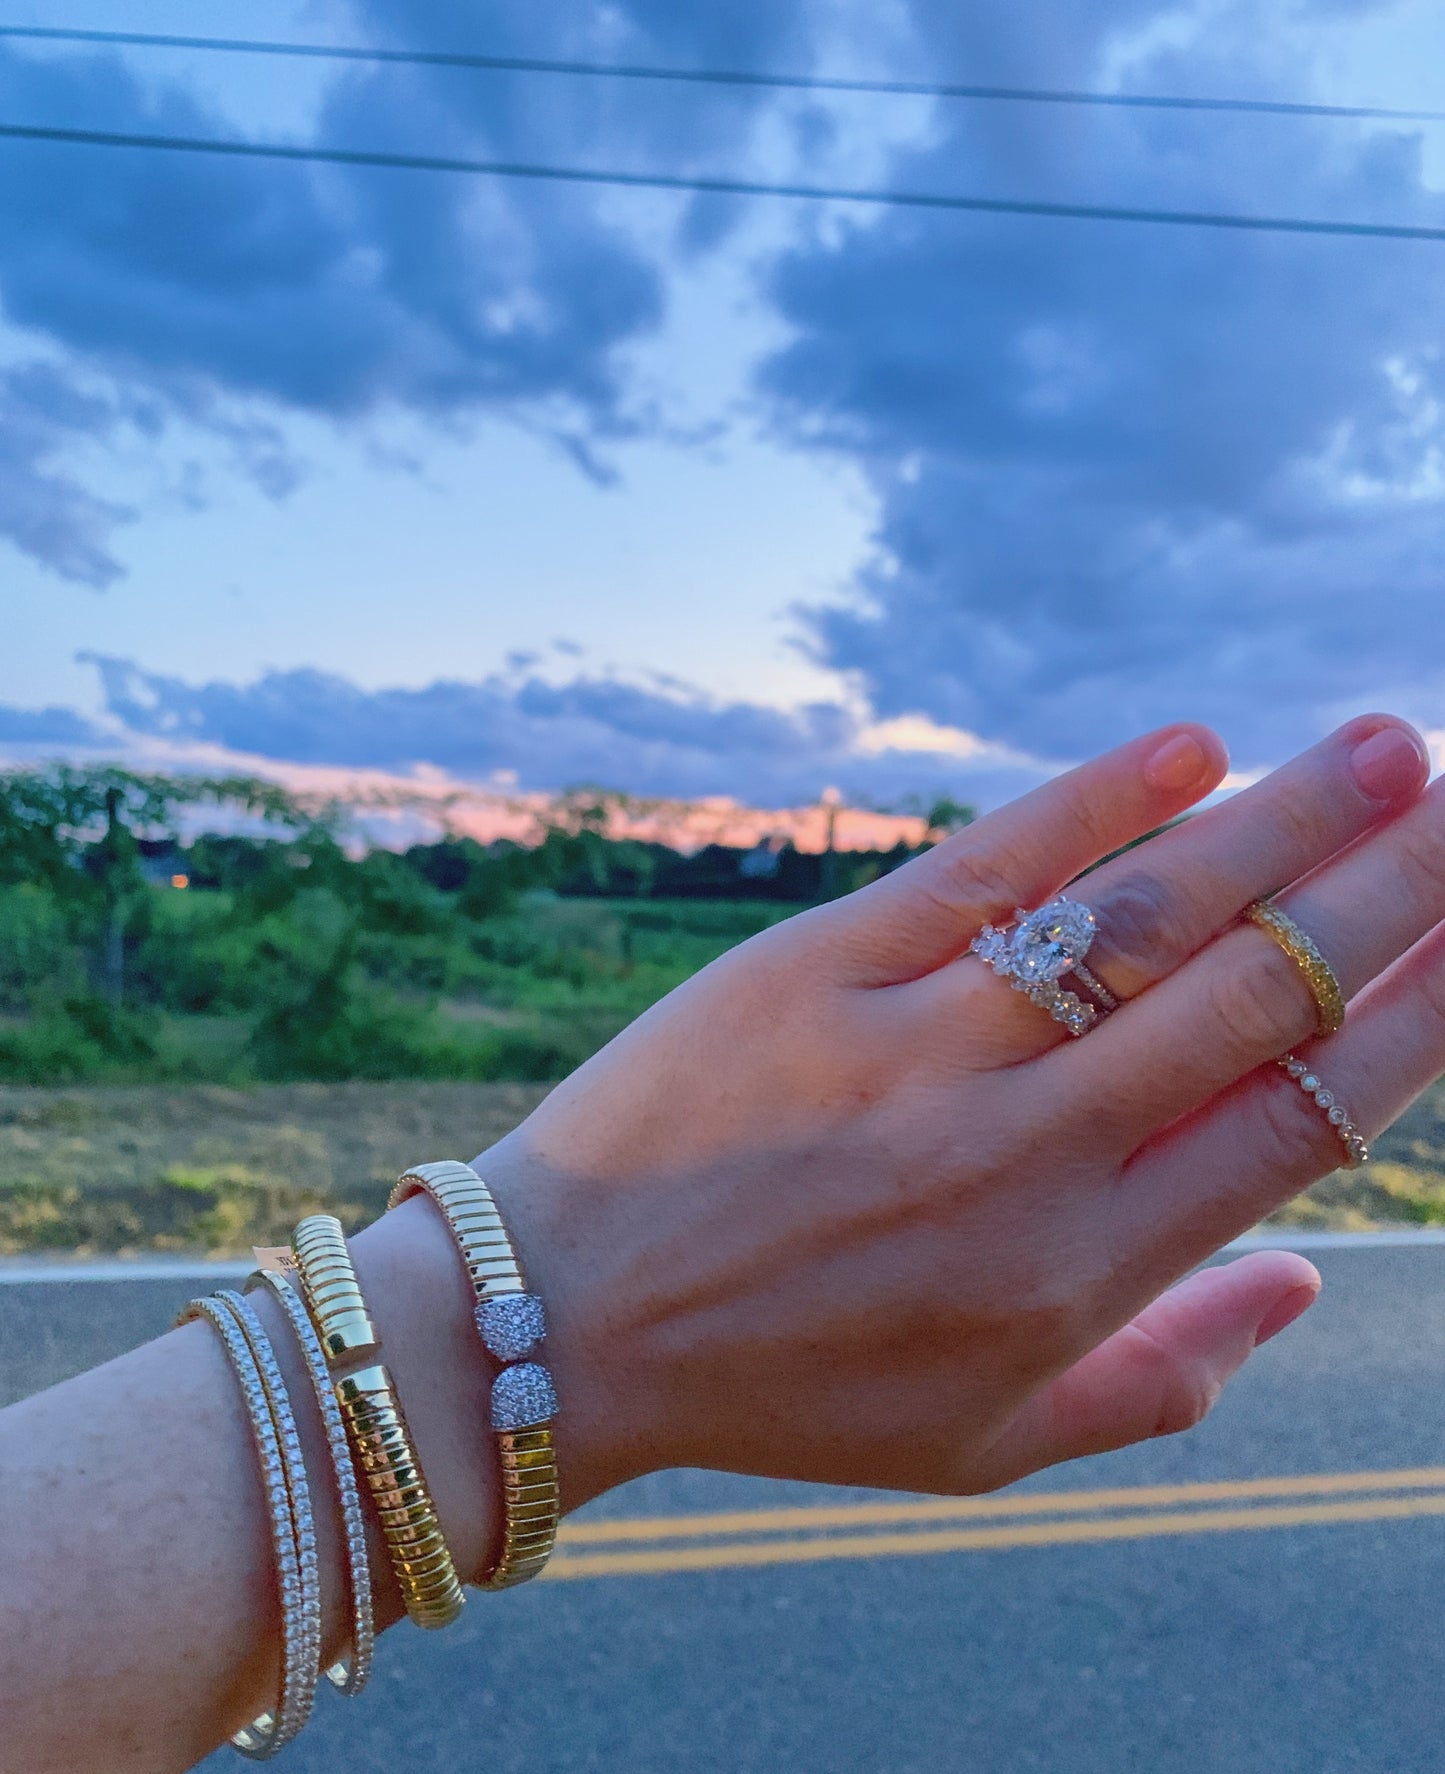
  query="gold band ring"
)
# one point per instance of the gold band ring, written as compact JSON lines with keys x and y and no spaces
{"x":1319,"y":975}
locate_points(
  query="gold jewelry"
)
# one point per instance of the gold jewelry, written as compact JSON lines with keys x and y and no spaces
{"x":1356,"y":1151}
{"x":430,"y":1587}
{"x":511,"y":1323}
{"x":1319,"y":975}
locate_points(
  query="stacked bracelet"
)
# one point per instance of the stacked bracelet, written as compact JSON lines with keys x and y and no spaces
{"x":511,"y":1323}
{"x":273,"y":1428}
{"x":430,"y":1588}
{"x":349,"y":1679}
{"x":363,"y":1423}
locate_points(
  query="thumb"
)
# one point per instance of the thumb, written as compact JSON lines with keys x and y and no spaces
{"x":1164,"y":1370}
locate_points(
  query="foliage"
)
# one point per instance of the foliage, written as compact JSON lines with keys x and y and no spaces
{"x":291,"y":954}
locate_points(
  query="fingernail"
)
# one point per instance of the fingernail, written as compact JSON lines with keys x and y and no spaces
{"x":1283,"y":1312}
{"x":1179,"y":763}
{"x":1389,"y":764}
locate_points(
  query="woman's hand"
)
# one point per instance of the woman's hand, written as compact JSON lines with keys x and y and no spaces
{"x":846,"y":1208}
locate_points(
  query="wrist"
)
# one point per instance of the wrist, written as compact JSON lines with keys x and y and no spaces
{"x":609,"y":1427}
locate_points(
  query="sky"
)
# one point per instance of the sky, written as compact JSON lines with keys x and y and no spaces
{"x":535,"y":484}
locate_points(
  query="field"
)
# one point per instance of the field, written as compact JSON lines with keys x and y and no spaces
{"x":205,"y":1168}
{"x":201,"y":1042}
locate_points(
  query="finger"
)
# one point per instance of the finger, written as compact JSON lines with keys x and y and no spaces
{"x":1163,"y":1371}
{"x":1210,"y":1177}
{"x":928,"y":911}
{"x":1159,"y":904}
{"x":1162,"y":901}
{"x":1243,"y":1000}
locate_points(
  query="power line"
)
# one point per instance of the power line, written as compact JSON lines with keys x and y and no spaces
{"x":511,"y":169}
{"x":715,"y":76}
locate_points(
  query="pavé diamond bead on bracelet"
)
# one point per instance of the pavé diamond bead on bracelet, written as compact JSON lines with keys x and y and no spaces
{"x":430,"y":1587}
{"x":511,"y":1324}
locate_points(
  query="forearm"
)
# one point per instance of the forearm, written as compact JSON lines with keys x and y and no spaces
{"x":139,"y":1615}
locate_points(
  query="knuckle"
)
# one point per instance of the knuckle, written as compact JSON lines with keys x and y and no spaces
{"x":1421,"y":862}
{"x":1260,"y":1003}
{"x":1187,"y":1401}
{"x":1186,"y":1391}
{"x":968,"y":880}
{"x":1299,"y":823}
{"x":1292,"y":1134}
{"x":1092,"y":830}
{"x":1139,"y":922}
{"x":1431,"y":987}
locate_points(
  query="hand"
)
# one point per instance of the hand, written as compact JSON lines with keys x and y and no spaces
{"x":846,"y":1208}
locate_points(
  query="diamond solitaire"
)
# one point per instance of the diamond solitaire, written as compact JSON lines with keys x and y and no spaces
{"x":1052,"y":941}
{"x":1035,"y":953}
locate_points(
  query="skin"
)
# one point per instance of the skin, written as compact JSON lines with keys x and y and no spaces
{"x":842,"y":1208}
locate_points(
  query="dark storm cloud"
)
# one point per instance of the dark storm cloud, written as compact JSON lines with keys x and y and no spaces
{"x":1127,"y":473}
{"x":44,"y":510}
{"x":592,"y":730}
{"x":338,"y":292}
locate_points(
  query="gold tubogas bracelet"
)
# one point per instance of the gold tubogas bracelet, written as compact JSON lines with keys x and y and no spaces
{"x":430,"y":1588}
{"x":511,"y":1324}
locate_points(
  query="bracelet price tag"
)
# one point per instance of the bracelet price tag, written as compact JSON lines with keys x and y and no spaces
{"x":276,"y":1259}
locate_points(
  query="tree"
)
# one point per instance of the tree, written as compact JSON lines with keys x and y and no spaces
{"x":75,"y":829}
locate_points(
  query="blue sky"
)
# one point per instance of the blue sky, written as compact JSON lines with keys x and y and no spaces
{"x":694,"y":496}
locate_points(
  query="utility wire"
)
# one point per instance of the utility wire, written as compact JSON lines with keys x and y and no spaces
{"x":713,"y":76}
{"x":512,"y":169}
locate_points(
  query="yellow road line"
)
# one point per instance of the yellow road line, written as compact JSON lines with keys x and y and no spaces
{"x":751,"y":1554}
{"x":847,"y":1515}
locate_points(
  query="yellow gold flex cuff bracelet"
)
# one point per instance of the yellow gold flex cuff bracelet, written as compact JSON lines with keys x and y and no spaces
{"x":511,"y":1324}
{"x":1319,"y":975}
{"x":430,"y":1587}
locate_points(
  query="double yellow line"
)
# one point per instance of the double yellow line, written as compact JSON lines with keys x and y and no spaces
{"x":658,"y":1545}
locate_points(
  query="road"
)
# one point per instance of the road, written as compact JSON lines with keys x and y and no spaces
{"x":1267,"y":1593}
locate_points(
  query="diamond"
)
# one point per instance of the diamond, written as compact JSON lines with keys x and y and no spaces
{"x":989,"y":943}
{"x":523,"y":1396}
{"x":1337,"y":1116}
{"x":1296,"y":1068}
{"x":1325,"y":1098}
{"x":512,"y":1325}
{"x":1048,"y":942}
{"x":1310,"y":1082}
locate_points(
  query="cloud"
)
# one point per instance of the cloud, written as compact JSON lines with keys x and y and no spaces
{"x":1131,"y":473}
{"x":197,"y":282}
{"x":325,"y":290}
{"x":50,"y":728}
{"x":45,"y":511}
{"x":546,"y":735}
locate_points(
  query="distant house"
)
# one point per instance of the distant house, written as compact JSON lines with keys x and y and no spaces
{"x":763,"y":861}
{"x":164,"y":862}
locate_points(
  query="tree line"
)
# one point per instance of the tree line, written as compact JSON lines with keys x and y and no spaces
{"x":295,"y":953}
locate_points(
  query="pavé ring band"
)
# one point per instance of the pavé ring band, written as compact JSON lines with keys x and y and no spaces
{"x":1034,"y":953}
{"x":1319,"y":975}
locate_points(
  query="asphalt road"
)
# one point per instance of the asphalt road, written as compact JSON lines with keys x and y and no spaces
{"x":1242,"y":1598}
